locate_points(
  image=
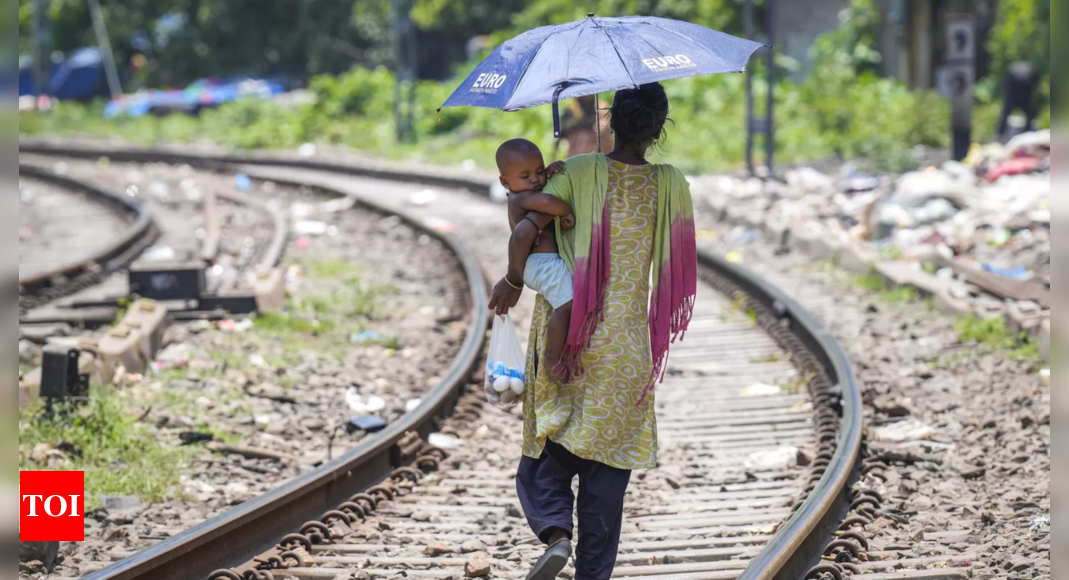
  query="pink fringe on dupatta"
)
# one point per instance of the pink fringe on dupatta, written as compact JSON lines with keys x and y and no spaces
{"x":674,"y":294}
{"x":588,"y":302}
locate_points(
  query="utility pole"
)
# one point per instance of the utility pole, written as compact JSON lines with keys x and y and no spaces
{"x":765,"y":126}
{"x":104,"y":43}
{"x":42,"y":49}
{"x":405,"y":69}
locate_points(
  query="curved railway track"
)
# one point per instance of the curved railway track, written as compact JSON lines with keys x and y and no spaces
{"x":60,"y":274}
{"x":753,"y":483}
{"x":228,"y":233}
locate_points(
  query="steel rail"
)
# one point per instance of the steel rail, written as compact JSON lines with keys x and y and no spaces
{"x":794,"y":549}
{"x":251,"y":528}
{"x":797,"y":545}
{"x":34,"y":284}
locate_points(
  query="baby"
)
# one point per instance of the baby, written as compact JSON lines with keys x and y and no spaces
{"x":524,"y":174}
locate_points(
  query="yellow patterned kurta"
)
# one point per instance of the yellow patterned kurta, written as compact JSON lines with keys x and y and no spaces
{"x":597,"y":415}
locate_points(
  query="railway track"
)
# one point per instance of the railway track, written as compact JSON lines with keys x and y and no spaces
{"x":228,"y":233}
{"x":761,"y":437}
{"x":58,"y":263}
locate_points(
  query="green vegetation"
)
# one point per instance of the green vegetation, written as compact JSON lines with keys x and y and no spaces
{"x":772,"y":358}
{"x":871,"y":281}
{"x":900,"y":295}
{"x":992,"y":332}
{"x":842,"y":109}
{"x":100,"y":438}
{"x":874,"y":282}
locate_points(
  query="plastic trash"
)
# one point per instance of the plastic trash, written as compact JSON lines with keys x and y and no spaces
{"x":159,"y":254}
{"x":443,"y":441}
{"x":1017,"y":273}
{"x":779,"y":458}
{"x":361,"y":404}
{"x":310,"y":228}
{"x":505,"y":364}
{"x":242,"y":182}
{"x":1040,"y":523}
{"x":160,"y":190}
{"x":412,"y":405}
{"x":761,"y":390}
{"x":366,"y":424}
{"x":364,"y":336}
{"x":307,"y":150}
{"x":423,"y":197}
{"x":903,"y":431}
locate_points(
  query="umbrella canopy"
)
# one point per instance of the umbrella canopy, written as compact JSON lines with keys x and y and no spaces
{"x":597,"y":55}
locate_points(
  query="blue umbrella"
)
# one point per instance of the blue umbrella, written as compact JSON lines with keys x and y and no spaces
{"x":597,"y":55}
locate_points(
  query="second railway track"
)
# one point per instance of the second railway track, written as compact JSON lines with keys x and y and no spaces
{"x":760,"y":424}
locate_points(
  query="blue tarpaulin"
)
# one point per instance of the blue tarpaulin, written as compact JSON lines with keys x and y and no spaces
{"x":201,"y":94}
{"x":80,"y":77}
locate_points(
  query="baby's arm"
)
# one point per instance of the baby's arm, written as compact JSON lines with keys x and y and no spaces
{"x":545,"y":203}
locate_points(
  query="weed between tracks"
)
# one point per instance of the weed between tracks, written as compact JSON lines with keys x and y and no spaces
{"x":101,"y":438}
{"x":971,"y":329}
{"x":992,"y":332}
{"x":110,"y":438}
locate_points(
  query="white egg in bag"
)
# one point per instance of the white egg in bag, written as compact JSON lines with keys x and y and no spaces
{"x":505,"y":364}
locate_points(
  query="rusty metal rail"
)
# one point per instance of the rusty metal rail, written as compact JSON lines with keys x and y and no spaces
{"x":249,"y":530}
{"x":257,"y":528}
{"x":119,"y":252}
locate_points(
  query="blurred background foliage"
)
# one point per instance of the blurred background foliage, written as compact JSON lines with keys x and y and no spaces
{"x":341,"y":51}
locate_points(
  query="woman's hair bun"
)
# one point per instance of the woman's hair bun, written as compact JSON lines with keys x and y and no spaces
{"x":638,"y":115}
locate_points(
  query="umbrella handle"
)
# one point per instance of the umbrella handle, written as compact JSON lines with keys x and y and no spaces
{"x":556,"y":111}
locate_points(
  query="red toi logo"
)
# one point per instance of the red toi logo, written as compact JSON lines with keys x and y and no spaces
{"x":53,"y":506}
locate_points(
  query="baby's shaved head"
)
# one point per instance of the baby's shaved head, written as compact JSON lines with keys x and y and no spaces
{"x":515,"y":148}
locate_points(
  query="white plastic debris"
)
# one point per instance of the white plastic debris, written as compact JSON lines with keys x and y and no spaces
{"x":781,"y":457}
{"x":443,"y":441}
{"x":1040,"y":523}
{"x":299,"y":209}
{"x":761,"y":390}
{"x":262,"y":420}
{"x":360,"y":404}
{"x":310,"y":228}
{"x":423,"y":197}
{"x":159,"y":254}
{"x":257,"y":360}
{"x":412,"y":405}
{"x":911,"y":430}
{"x":1044,"y":377}
{"x":337,"y":205}
{"x":159,"y":190}
{"x":307,"y":150}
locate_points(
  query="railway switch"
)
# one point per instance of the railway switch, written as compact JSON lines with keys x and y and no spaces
{"x":168,"y":283}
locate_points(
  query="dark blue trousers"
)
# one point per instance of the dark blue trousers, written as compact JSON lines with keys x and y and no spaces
{"x":545,"y":490}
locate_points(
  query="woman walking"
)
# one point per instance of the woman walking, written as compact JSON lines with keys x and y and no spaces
{"x":631,"y":216}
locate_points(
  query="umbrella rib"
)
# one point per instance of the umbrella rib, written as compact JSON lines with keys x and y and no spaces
{"x":620,"y":56}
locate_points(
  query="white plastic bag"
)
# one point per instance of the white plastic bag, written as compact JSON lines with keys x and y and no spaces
{"x":505,"y":364}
